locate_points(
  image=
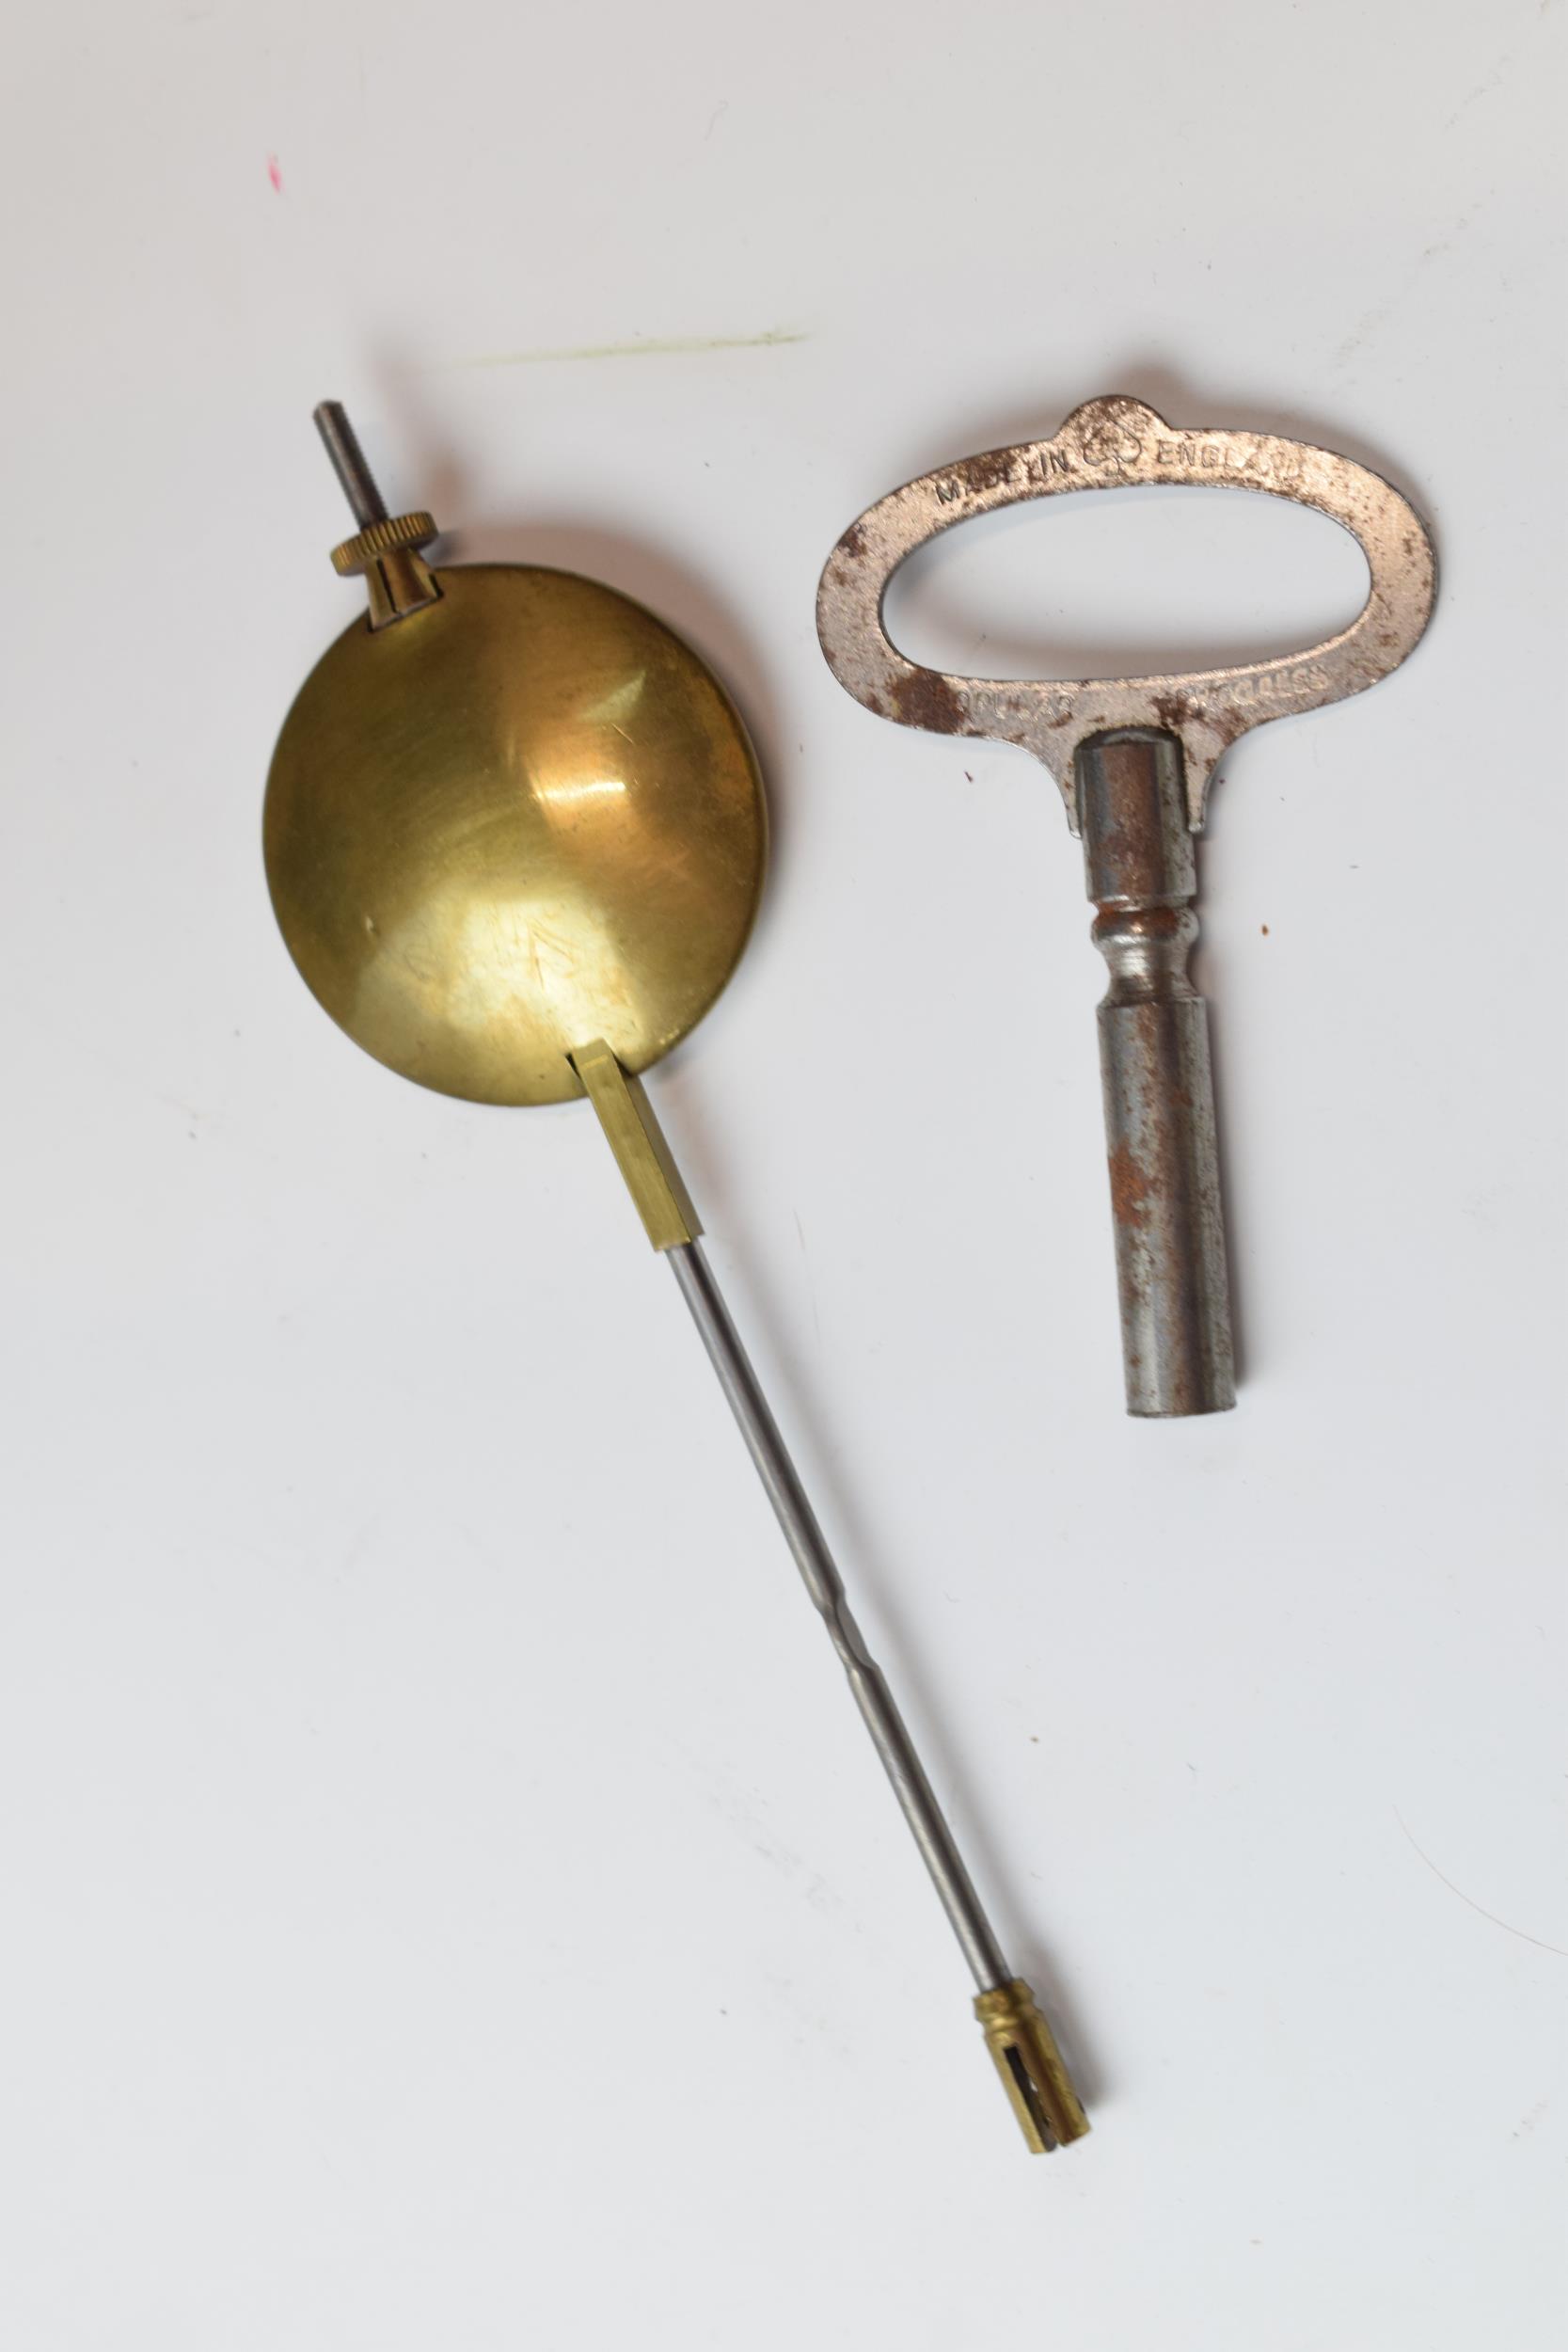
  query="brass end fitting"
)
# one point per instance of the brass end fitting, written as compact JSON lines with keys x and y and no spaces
{"x":1048,"y":2110}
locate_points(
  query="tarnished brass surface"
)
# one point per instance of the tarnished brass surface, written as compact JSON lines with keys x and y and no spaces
{"x":522,"y":818}
{"x":641,"y":1152}
{"x":1038,"y":2084}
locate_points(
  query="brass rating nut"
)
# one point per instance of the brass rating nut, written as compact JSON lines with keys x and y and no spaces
{"x":369,"y":545}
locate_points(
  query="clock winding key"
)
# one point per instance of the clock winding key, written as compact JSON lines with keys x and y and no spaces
{"x":1133,"y":758}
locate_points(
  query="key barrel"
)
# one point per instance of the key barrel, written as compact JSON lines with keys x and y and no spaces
{"x":1154,"y":1065}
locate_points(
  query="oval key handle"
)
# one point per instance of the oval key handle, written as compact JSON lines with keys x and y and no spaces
{"x":1133,"y":759}
{"x":1113,"y":444}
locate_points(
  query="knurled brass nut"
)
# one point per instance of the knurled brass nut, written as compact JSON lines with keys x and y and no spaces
{"x":367,"y":546}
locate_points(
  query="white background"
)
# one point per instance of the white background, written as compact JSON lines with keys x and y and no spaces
{"x":448,"y":1899}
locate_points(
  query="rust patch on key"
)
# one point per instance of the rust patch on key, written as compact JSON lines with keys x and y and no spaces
{"x":1173,"y":710}
{"x":1131,"y":1188}
{"x":927,"y":699}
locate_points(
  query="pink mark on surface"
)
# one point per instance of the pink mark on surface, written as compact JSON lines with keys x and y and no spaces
{"x":275,"y":175}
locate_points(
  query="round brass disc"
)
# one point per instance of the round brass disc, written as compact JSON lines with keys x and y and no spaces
{"x":522,"y":818}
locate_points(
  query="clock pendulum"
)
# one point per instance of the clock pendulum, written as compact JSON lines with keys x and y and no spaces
{"x":514,"y":835}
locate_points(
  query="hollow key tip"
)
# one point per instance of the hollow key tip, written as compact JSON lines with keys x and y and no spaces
{"x":1039,"y":2086}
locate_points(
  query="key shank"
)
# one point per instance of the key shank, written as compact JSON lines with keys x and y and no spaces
{"x":1141,"y":871}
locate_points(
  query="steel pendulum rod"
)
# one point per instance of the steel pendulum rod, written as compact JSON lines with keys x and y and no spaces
{"x":1030,"y":2067}
{"x":889,"y":1734}
{"x":355,"y":478}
